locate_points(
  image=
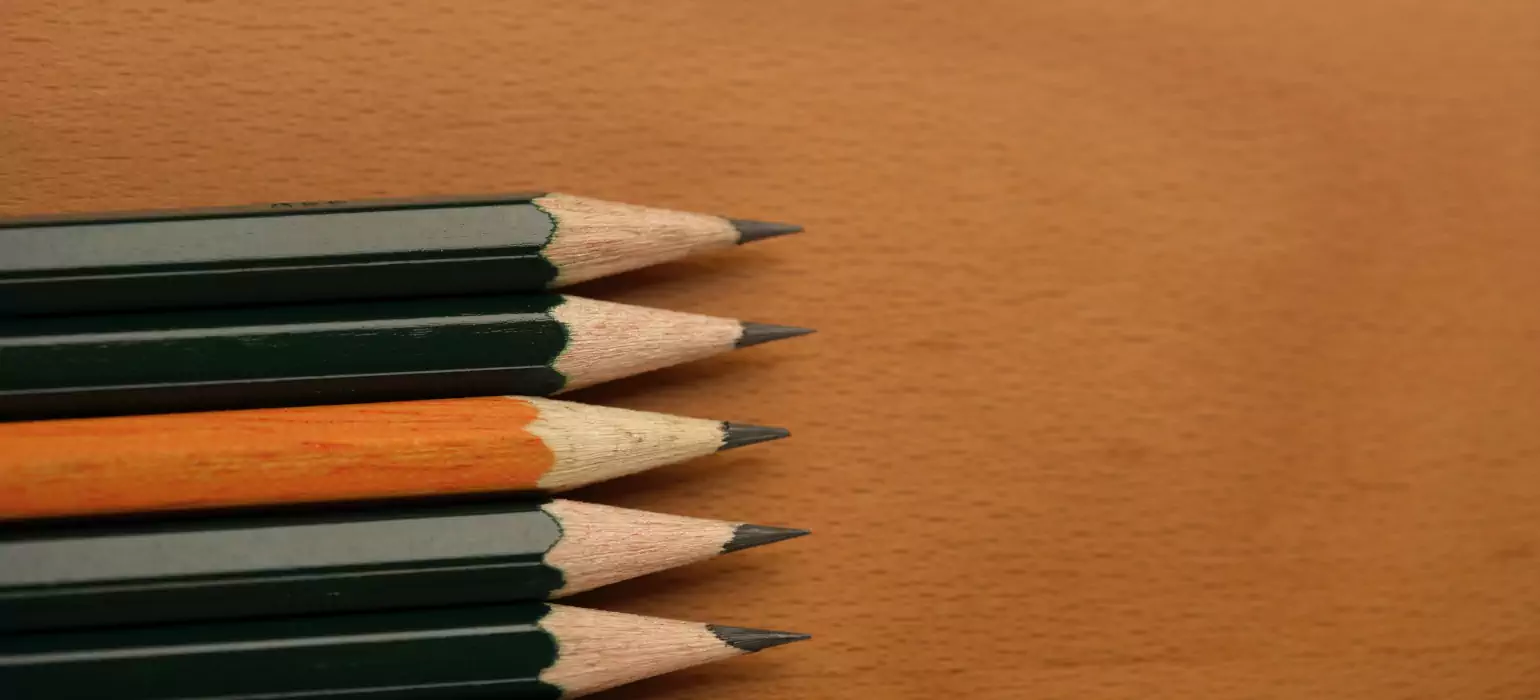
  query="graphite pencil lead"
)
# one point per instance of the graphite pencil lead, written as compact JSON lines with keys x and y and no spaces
{"x":752,"y":640}
{"x":743,"y":434}
{"x":750,"y":230}
{"x":746,"y":536}
{"x":756,"y":333}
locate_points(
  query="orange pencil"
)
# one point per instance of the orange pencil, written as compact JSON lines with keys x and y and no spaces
{"x":328,"y":453}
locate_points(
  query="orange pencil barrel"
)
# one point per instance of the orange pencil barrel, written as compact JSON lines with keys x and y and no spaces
{"x":289,"y":455}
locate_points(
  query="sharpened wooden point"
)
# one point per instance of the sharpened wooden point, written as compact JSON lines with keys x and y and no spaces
{"x":746,"y":536}
{"x":752,"y":640}
{"x":743,"y":434}
{"x":750,"y":230}
{"x":756,"y":333}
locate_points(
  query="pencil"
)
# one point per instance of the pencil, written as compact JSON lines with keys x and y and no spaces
{"x":320,"y":251}
{"x":536,"y":345}
{"x":379,"y":559}
{"x":515,"y":651}
{"x":184,"y":461}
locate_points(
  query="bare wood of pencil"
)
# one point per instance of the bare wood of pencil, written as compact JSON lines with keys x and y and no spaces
{"x":609,"y":341}
{"x":602,"y":650}
{"x":601,"y":545}
{"x":599,"y":238}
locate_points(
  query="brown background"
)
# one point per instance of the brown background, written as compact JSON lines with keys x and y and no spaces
{"x":1170,"y":349}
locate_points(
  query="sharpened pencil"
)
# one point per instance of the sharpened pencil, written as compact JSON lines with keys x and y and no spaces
{"x":327,"y":251}
{"x":536,"y":345}
{"x":401,"y":557}
{"x":516,"y":651}
{"x":184,"y":461}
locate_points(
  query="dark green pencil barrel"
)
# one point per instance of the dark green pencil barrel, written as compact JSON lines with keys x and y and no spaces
{"x":275,"y":356}
{"x":278,"y":342}
{"x":477,"y":652}
{"x":274,"y":253}
{"x":230,"y":567}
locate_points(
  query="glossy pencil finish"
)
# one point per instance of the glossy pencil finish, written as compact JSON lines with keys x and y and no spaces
{"x":181,"y":461}
{"x":325,"y":251}
{"x":77,"y":366}
{"x":402,"y":557}
{"x":530,"y":650}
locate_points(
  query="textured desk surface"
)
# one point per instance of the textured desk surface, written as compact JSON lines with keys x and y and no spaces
{"x":1170,"y":349}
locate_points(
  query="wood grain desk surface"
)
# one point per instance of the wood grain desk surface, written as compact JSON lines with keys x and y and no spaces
{"x":1169,"y":349}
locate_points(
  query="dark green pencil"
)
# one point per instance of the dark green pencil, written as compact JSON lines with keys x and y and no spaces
{"x":273,"y":565}
{"x":325,"y":251}
{"x":529,"y":650}
{"x":532,"y":345}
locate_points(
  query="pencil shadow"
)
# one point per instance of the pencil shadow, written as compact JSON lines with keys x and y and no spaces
{"x":705,"y":473}
{"x":712,"y":369}
{"x":682,"y":583}
{"x":713,"y":680}
{"x":682,"y":274}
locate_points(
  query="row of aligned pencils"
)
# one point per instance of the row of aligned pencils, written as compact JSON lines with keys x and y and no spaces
{"x":229,"y":431}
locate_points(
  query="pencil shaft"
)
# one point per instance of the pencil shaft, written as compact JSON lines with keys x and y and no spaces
{"x":203,"y":347}
{"x":86,"y":574}
{"x":477,"y":652}
{"x":252,"y":566}
{"x":321,"y":251}
{"x":216,"y":459}
{"x":529,"y":650}
{"x":337,"y":353}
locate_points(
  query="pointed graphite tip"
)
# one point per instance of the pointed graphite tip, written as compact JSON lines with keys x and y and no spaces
{"x":752,"y":640}
{"x":746,"y":536}
{"x":750,"y":230}
{"x":743,"y":434}
{"x":756,"y":333}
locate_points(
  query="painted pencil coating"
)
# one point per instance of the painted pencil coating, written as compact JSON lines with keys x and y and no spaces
{"x":472,"y":652}
{"x":233,"y":458}
{"x":235,"y":566}
{"x":530,"y":650}
{"x":78,"y":366}
{"x":272,"y":343}
{"x":335,"y":250}
{"x":184,"y":461}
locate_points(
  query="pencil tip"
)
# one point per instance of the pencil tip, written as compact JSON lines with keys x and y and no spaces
{"x":756,"y":333}
{"x":743,"y":434}
{"x":746,"y":536}
{"x":752,"y":640}
{"x":750,"y":230}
